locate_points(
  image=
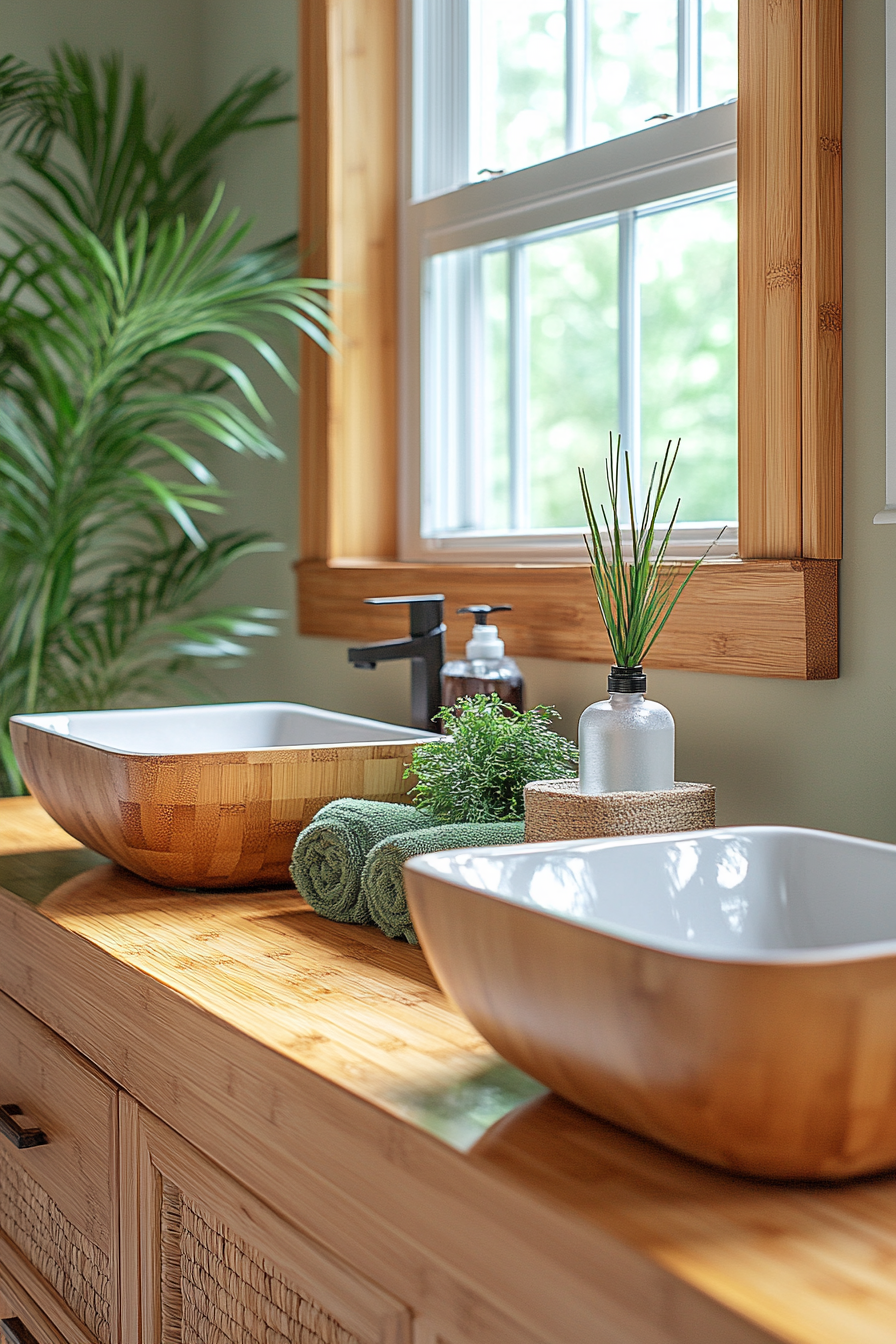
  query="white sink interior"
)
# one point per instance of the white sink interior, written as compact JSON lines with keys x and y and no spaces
{"x":755,"y":893}
{"x":185,"y":729}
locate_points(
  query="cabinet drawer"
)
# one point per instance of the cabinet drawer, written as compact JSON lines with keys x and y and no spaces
{"x":20,"y":1318}
{"x":58,"y":1204}
{"x":215,"y":1263}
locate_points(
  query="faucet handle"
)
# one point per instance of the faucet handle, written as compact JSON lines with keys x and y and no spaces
{"x":418,"y":597}
{"x":426,"y":610}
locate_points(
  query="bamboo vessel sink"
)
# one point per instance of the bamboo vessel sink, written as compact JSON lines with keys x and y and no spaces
{"x":729,"y":993}
{"x":203,"y":796}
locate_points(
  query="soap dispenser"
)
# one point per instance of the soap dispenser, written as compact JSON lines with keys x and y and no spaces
{"x":485,"y":668}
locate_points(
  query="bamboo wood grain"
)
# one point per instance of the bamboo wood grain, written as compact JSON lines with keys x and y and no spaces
{"x":368,"y":1314}
{"x":773,"y":618}
{"x":25,"y":829}
{"x":769,"y":223}
{"x":555,"y":1227}
{"x":131,"y":1203}
{"x":790,"y":278}
{"x":75,"y":1107}
{"x":204,"y":820}
{"x":16,"y":1301}
{"x":315,"y":261}
{"x":822,"y":288}
{"x":348,"y":232}
{"x":842,"y":1236}
{"x":427,"y":1332}
{"x":68,"y":1184}
{"x":40,"y":1303}
{"x":401,"y":1038}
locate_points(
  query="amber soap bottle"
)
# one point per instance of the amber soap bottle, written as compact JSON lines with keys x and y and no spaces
{"x":485,"y":668}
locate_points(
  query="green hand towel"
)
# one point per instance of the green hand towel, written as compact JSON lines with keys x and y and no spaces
{"x":382,"y":882}
{"x":330,"y":852}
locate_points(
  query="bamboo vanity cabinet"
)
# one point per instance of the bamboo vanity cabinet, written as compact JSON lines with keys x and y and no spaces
{"x":246,"y":1125}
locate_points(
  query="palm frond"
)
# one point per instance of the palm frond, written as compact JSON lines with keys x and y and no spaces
{"x":93,"y":156}
{"x":117,"y":639}
{"x":22,"y":88}
{"x":141,"y":623}
{"x":234,"y":115}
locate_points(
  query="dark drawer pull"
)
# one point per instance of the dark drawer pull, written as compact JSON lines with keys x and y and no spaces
{"x":22,"y":1136}
{"x":15,"y":1332}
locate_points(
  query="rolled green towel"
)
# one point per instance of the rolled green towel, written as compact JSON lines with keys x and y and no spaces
{"x":330,"y":853}
{"x":382,"y":882}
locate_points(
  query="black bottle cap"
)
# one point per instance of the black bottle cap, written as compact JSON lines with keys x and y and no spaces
{"x":481,"y":611}
{"x":627,"y":680}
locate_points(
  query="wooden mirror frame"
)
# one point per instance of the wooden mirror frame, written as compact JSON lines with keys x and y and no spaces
{"x":771,"y":612}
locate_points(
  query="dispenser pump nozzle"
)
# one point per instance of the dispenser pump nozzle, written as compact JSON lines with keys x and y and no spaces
{"x":485,"y":642}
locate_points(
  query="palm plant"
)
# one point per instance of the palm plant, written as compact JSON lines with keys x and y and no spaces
{"x":114,"y":302}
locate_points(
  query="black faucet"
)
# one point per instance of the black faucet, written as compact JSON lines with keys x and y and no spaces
{"x":425,"y":646}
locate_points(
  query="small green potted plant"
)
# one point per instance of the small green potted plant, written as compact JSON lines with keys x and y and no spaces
{"x":627,"y":743}
{"x":491,"y":751}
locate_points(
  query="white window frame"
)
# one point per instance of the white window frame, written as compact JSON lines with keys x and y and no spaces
{"x":693,"y":152}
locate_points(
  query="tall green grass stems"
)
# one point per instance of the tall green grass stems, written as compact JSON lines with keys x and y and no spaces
{"x":636,"y":596}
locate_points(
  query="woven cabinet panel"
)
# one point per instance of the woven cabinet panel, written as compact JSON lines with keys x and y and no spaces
{"x":76,"y":1268}
{"x":216,"y":1289}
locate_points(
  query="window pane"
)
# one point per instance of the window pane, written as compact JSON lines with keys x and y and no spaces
{"x":523,"y":368}
{"x":496,"y":447}
{"x":628,"y":72}
{"x":687,"y":266}
{"x":517,"y":82}
{"x":573,"y":368}
{"x":633,"y":65}
{"x":719,"y":51}
{"x":449,"y":402}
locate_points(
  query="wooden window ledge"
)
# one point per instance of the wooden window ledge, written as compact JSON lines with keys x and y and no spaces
{"x":753,"y":618}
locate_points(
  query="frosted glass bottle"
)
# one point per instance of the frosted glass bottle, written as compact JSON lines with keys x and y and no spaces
{"x":626,"y":743}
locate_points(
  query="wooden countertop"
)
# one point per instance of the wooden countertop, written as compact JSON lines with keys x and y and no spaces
{"x":804,"y":1264}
